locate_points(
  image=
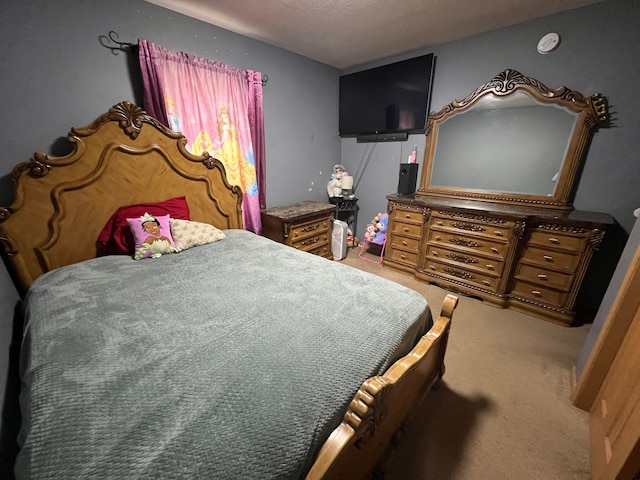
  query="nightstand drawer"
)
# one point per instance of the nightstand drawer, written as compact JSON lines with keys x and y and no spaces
{"x":310,"y":228}
{"x":310,"y":242}
{"x":322,"y":251}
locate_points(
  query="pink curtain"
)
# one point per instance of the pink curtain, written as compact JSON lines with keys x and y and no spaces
{"x":218,"y":109}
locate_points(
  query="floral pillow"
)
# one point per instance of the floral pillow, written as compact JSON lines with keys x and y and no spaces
{"x":152,"y":236}
{"x":187,"y":234}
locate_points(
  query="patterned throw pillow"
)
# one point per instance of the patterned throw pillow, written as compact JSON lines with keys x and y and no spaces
{"x":115,"y":237}
{"x":187,"y":234}
{"x":152,"y":236}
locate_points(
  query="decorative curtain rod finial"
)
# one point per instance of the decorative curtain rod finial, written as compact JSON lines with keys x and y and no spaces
{"x":116,"y":45}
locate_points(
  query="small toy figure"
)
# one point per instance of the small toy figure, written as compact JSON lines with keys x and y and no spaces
{"x":370,"y":232}
{"x":334,"y":187}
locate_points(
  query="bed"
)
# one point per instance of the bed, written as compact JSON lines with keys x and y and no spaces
{"x":232,"y":356}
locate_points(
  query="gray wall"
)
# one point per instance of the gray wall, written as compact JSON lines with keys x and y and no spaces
{"x":597,"y":53}
{"x":55,"y":75}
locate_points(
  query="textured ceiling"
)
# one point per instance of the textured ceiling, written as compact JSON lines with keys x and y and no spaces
{"x":344,"y":33}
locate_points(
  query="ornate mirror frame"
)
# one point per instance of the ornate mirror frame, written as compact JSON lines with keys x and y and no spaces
{"x":500,"y":92}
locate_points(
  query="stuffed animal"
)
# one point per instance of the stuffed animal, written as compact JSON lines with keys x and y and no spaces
{"x":334,"y":187}
{"x":370,"y":232}
{"x":381,"y":227}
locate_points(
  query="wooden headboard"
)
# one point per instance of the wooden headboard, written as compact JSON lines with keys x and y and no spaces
{"x":124,"y":157}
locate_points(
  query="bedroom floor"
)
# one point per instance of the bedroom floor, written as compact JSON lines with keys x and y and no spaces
{"x":504,"y":409}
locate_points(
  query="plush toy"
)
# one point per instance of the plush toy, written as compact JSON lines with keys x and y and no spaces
{"x":381,"y":228}
{"x":334,"y":187}
{"x":370,"y":232}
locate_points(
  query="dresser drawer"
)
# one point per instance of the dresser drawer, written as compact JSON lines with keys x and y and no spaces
{"x":307,"y":229}
{"x":562,"y":241}
{"x":405,"y":243}
{"x":539,"y":293}
{"x":406,"y":229}
{"x":321,"y":251}
{"x":494,"y":266}
{"x":312,"y":242}
{"x":404,"y":257}
{"x":496,"y":229}
{"x":448,"y":239}
{"x":408,"y":216}
{"x":544,"y":277}
{"x":552,"y":258}
{"x":486,"y":282}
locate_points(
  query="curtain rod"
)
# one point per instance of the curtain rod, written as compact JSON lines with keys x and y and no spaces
{"x":117,"y":46}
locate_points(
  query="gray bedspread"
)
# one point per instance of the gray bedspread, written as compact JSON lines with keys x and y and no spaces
{"x":232,"y":360}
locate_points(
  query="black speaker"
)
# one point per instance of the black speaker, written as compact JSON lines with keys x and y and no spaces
{"x":408,"y":178}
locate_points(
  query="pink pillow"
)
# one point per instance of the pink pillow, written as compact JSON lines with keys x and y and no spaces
{"x":152,"y":235}
{"x":115,"y":237}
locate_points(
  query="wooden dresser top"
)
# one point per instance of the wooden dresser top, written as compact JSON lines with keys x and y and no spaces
{"x":298,"y":210}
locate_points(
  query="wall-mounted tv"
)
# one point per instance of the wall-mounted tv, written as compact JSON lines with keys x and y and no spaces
{"x":387,"y":102}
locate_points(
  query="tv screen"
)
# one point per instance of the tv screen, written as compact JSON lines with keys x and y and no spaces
{"x":386,"y":100}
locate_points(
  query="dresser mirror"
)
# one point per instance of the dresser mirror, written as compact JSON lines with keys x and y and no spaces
{"x":513,"y":140}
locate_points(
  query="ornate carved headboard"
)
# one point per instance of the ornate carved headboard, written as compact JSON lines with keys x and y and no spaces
{"x":124,"y":157}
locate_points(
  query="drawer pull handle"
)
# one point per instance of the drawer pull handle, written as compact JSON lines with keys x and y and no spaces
{"x":403,"y":257}
{"x":439,"y":223}
{"x":554,"y":240}
{"x":435,"y":254}
{"x":498,"y":233}
{"x":490,"y":267}
{"x":542,"y":276}
{"x":404,"y":243}
{"x":548,"y":258}
{"x":438,"y":237}
{"x":486,"y":282}
{"x":536,"y":293}
{"x":407,"y":215}
{"x":494,"y":249}
{"x":432,"y":267}
{"x":405,"y":229}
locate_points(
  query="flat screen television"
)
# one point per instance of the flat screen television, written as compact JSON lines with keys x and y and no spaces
{"x":387,"y":102}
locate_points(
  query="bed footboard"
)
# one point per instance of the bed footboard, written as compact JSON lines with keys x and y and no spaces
{"x":383,"y":407}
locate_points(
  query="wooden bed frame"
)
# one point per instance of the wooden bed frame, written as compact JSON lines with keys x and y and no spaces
{"x":127,"y":157}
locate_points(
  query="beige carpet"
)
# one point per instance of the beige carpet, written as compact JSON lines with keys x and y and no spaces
{"x":504,"y":408}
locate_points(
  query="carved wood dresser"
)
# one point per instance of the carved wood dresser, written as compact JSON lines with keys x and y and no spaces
{"x":306,"y":226}
{"x":522,"y":258}
{"x":493,"y":216}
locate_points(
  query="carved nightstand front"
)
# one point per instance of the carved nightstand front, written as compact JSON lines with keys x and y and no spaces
{"x":306,"y":226}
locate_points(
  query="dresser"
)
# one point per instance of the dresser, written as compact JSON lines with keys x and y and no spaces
{"x":306,"y":226}
{"x":518,"y":257}
{"x":493,"y":215}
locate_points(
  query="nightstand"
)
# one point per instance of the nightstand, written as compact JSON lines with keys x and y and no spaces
{"x":347,"y":211}
{"x":306,"y":226}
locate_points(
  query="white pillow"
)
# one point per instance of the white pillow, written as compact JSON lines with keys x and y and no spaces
{"x":187,"y":234}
